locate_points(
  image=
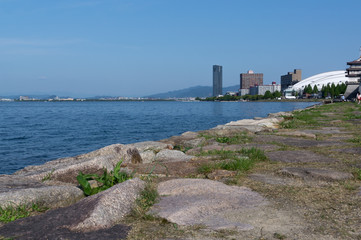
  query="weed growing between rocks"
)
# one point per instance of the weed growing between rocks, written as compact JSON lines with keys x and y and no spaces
{"x":105,"y":181}
{"x":48,"y":176}
{"x":241,"y":161}
{"x":181,"y":148}
{"x":356,"y":140}
{"x":148,"y":197}
{"x":357,"y":173}
{"x":10,"y":213}
{"x":240,"y":138}
{"x":300,"y":119}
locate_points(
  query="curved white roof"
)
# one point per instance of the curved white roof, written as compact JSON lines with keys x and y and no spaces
{"x":336,"y":77}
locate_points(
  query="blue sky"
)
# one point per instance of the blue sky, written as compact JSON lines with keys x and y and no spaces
{"x":139,"y":47}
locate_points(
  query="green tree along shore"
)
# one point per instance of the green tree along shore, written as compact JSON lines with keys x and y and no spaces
{"x":329,"y":90}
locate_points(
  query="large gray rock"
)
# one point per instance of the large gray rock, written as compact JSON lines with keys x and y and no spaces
{"x":280,"y":114}
{"x":148,"y":156}
{"x":66,"y":169}
{"x":316,"y":173}
{"x":16,"y":191}
{"x":187,"y":139}
{"x":167,"y":155}
{"x":150,"y":146}
{"x":94,"y":217}
{"x":252,"y":125}
{"x":205,"y":202}
{"x":109,"y":207}
{"x":149,"y":149}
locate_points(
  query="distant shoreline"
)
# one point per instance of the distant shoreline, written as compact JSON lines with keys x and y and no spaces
{"x":165,"y":100}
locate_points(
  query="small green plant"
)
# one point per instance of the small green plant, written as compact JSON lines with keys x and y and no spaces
{"x":148,"y":197}
{"x":206,"y":168}
{"x":239,"y":164}
{"x":223,"y":154}
{"x":358,"y":173}
{"x":105,"y":181}
{"x":279,"y":236}
{"x":237,"y":139}
{"x":10,"y":213}
{"x":242,"y":160}
{"x":181,"y":148}
{"x":48,"y":176}
{"x":356,"y":140}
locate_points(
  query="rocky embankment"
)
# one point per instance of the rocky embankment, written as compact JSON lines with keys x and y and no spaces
{"x":308,"y":186}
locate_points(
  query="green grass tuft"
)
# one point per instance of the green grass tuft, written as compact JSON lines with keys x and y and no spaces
{"x":105,"y":181}
{"x":10,"y":213}
{"x":148,"y":197}
{"x":242,"y":160}
{"x":240,"y":164}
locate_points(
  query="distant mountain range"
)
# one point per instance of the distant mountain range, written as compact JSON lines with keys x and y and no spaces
{"x":197,"y":91}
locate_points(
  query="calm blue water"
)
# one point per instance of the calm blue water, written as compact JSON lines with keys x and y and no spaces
{"x":32,"y":133}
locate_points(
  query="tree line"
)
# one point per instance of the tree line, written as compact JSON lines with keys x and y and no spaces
{"x":326,"y":90}
{"x":267,"y":95}
{"x":329,"y":90}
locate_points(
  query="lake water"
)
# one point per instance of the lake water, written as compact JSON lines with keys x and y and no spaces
{"x":32,"y":133}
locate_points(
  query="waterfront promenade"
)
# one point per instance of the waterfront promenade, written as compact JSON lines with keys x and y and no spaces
{"x":289,"y":176}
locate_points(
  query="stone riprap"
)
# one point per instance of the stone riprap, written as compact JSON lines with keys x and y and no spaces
{"x":205,"y":202}
{"x":98,"y":215}
{"x":66,"y":169}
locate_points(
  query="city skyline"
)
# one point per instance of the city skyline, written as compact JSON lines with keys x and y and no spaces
{"x":137,"y":48}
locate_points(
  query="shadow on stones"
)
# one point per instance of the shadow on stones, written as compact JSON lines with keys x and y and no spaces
{"x":54,"y":225}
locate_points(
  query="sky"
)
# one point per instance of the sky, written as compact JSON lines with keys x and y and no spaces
{"x":84,"y":48}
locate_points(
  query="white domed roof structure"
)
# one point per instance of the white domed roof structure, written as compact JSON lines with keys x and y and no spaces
{"x":336,"y":77}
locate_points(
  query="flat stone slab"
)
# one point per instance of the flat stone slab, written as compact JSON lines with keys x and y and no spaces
{"x":316,"y":173}
{"x":296,"y":142}
{"x":205,"y":202}
{"x":301,"y":156}
{"x":293,"y":133}
{"x":326,"y":130}
{"x":269,"y":179}
{"x":98,"y":215}
{"x":264,"y":147}
{"x":167,"y":155}
{"x":349,"y":150}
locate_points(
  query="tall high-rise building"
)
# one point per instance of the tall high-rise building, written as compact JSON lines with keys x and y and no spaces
{"x":217,"y":80}
{"x":250,"y":79}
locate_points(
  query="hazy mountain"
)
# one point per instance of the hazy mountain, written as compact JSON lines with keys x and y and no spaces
{"x":197,"y":91}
